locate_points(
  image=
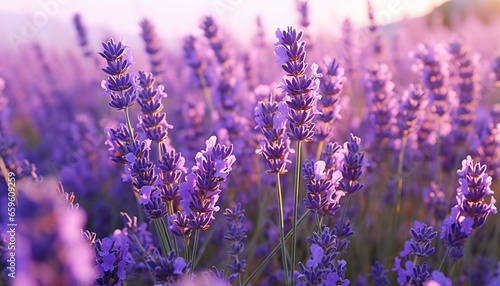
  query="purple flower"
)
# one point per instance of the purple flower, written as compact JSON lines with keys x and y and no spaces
{"x":379,"y":274}
{"x":322,"y":266}
{"x":466,"y":89}
{"x":471,"y":210}
{"x":474,"y":186}
{"x":322,"y":194}
{"x":438,"y":279}
{"x":420,"y":242}
{"x":211,"y":32}
{"x":112,"y":258}
{"x":301,"y":91}
{"x":167,"y":270}
{"x":153,"y":48}
{"x":352,"y":166}
{"x":200,"y":192}
{"x":331,"y":86}
{"x":380,"y":89}
{"x":120,"y":84}
{"x":410,"y":109}
{"x":434,"y":76}
{"x":82,"y":35}
{"x":275,"y":146}
{"x":495,"y":67}
{"x":152,"y":122}
{"x":171,"y":166}
{"x":235,"y":237}
{"x":489,"y":147}
{"x":49,"y":230}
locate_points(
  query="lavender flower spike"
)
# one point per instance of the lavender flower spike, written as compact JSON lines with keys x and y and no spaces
{"x":120,"y":84}
{"x":301,"y":91}
{"x":200,"y":192}
{"x":471,"y":210}
{"x":275,"y":146}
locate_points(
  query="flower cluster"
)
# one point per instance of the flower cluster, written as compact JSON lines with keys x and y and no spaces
{"x":235,"y":237}
{"x":331,"y":86}
{"x":471,"y":210}
{"x":322,"y":268}
{"x":112,"y":257}
{"x":420,"y":243}
{"x":200,"y":192}
{"x":153,"y":48}
{"x":120,"y":84}
{"x":354,"y":161}
{"x":434,"y":76}
{"x":411,"y":107}
{"x":152,"y":121}
{"x":301,"y":91}
{"x":50,"y":249}
{"x":275,"y":146}
{"x":380,"y":89}
{"x":466,"y":89}
{"x":322,"y":194}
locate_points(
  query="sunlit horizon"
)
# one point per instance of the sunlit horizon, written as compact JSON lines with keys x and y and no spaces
{"x":175,"y":19}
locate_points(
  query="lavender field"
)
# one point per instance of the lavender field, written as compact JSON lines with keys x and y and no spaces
{"x":351,"y":154}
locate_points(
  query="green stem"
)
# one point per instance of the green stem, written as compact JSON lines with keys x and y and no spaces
{"x":320,"y":149}
{"x":166,"y":246}
{"x":399,"y":194}
{"x":266,"y":260}
{"x":344,"y":212}
{"x":171,"y":212}
{"x":444,"y":258}
{"x":129,"y":125}
{"x":296,"y":207}
{"x":195,"y":249}
{"x":282,"y":228}
{"x":144,"y":255}
{"x":438,"y":152}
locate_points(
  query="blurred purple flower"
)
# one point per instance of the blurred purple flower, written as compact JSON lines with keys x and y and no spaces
{"x":380,"y":90}
{"x":153,"y":48}
{"x":236,"y":236}
{"x":331,"y":86}
{"x":49,"y":230}
{"x":379,"y":274}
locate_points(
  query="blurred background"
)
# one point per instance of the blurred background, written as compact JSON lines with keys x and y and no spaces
{"x":175,"y":19}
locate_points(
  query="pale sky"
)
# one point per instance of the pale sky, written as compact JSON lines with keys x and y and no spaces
{"x":177,"y":18}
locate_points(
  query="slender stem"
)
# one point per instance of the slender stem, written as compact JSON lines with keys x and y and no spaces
{"x":171,"y":212}
{"x":206,"y":242}
{"x":185,"y":245}
{"x":129,"y":125}
{"x":266,"y":260}
{"x":296,"y":207}
{"x":144,"y":255}
{"x":344,"y":212}
{"x":318,"y":222}
{"x":399,"y":194}
{"x":320,"y":149}
{"x":166,"y":246}
{"x":282,"y":229}
{"x":206,"y":93}
{"x":444,"y":258}
{"x":438,"y":152}
{"x":195,"y":249}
